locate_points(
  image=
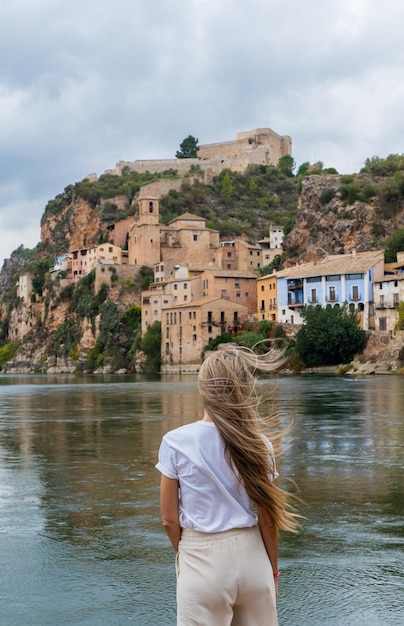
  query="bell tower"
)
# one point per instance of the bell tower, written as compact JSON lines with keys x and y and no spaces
{"x":149,"y":211}
{"x":144,"y":236}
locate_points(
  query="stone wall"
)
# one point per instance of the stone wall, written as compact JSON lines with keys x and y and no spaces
{"x":261,"y":146}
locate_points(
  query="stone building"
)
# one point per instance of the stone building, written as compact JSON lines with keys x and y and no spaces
{"x":172,"y":293}
{"x":24,"y":286}
{"x":388,"y":294}
{"x":86,"y":259}
{"x":273,"y":245}
{"x":261,"y":146}
{"x":233,"y":285}
{"x":184,"y":240}
{"x":238,"y":254}
{"x":186,"y":330}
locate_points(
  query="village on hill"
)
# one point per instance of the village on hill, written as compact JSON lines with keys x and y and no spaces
{"x":205,"y":286}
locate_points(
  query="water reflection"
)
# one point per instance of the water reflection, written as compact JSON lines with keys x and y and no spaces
{"x":81,"y":537}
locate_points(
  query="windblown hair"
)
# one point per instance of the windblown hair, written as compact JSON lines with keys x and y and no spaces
{"x":228,"y":388}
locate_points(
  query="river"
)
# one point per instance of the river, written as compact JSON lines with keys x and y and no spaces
{"x":81,"y":539}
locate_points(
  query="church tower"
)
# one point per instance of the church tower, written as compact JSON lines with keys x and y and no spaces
{"x":144,"y":236}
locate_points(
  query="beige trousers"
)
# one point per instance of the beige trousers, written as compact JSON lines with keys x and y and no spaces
{"x":224,"y":579}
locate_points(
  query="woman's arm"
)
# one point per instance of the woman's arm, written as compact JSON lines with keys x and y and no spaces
{"x":270,"y":538}
{"x":169,"y":507}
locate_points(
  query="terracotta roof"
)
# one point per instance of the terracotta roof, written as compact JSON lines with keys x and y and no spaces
{"x":334,"y":264}
{"x":188,"y":217}
{"x":232,"y":273}
{"x":202,"y":301}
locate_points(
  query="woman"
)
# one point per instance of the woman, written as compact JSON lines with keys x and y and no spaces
{"x":215,"y":473}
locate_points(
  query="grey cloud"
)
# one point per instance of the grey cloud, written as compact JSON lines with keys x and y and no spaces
{"x":85,"y":84}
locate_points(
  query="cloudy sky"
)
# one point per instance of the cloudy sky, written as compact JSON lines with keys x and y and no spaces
{"x":86,"y":83}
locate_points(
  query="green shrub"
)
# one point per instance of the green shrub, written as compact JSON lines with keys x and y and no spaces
{"x":327,"y":195}
{"x":350,"y":193}
{"x":7,"y":352}
{"x":329,"y":336}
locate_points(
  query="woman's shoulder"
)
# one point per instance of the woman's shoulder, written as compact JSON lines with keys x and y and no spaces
{"x":183,"y":430}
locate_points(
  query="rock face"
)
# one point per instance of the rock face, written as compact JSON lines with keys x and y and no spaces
{"x":327,"y":222}
{"x":334,"y":226}
{"x":75,"y":226}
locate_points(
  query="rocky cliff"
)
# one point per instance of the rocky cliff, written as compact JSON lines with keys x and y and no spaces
{"x":329,"y":221}
{"x":60,"y":325}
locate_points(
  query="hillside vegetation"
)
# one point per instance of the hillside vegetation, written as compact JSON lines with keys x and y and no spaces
{"x":321,"y":213}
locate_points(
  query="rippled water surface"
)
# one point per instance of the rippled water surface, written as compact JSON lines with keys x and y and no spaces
{"x":81,"y":540}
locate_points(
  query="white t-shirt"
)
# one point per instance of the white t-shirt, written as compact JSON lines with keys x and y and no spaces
{"x":211,"y":497}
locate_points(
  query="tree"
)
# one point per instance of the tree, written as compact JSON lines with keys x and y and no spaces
{"x":275,"y":264}
{"x":151,"y":346}
{"x":188,"y":148}
{"x":287,"y":164}
{"x":227,"y":188}
{"x":393,"y":245}
{"x":329,"y":336}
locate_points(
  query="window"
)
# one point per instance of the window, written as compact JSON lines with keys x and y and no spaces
{"x":238,"y":294}
{"x":382,"y":323}
{"x":175,"y":286}
{"x":313,"y":295}
{"x":333,"y":277}
{"x":194,"y":337}
{"x":185,"y":298}
{"x":382,"y":301}
{"x":110,"y":249}
{"x":209,"y":316}
{"x":190,"y":315}
{"x":331,"y":294}
{"x":195,"y":237}
{"x":314,"y":279}
{"x":185,"y":285}
{"x":262,"y":287}
{"x":396,"y":300}
{"x":262,"y":305}
{"x":354,"y":276}
{"x":229,"y":254}
{"x":180,"y":317}
{"x":235,"y":316}
{"x":150,"y":207}
{"x":355,"y":292}
{"x":222,"y":317}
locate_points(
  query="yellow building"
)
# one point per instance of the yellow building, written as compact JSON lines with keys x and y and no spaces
{"x":267,"y":298}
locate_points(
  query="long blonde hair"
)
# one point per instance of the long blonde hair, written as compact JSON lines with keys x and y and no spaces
{"x":227,"y":385}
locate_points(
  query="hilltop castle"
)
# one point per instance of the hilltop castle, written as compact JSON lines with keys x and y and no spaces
{"x":261,"y":146}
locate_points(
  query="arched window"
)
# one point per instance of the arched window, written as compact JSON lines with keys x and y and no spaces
{"x":150,"y":207}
